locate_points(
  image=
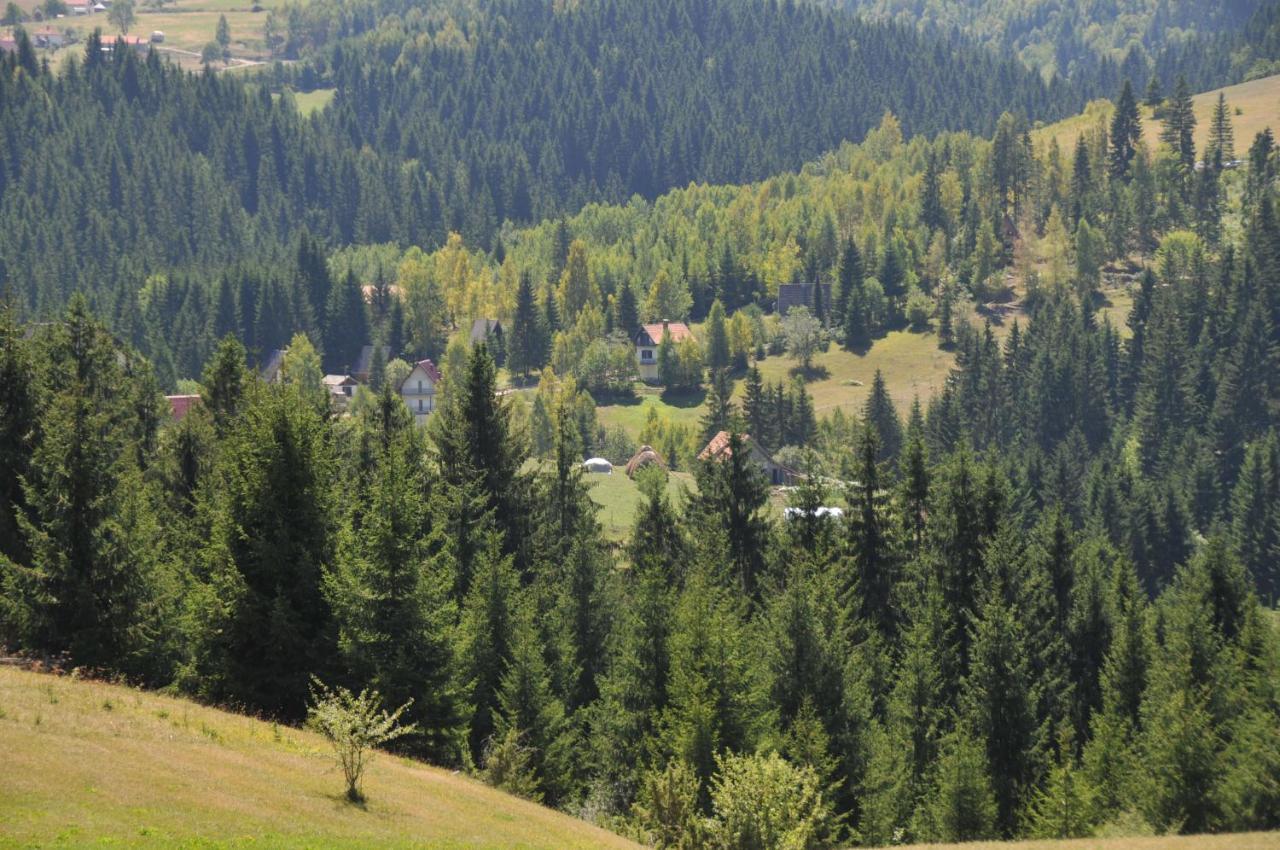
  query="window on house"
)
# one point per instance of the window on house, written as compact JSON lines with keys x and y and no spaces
{"x":419,"y":386}
{"x":419,"y":405}
{"x":646,"y":354}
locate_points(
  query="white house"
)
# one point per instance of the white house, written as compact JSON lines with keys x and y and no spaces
{"x":419,"y":390}
{"x":647,"y":340}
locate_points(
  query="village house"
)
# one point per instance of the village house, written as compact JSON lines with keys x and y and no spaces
{"x":802,"y":295}
{"x":483,"y":329}
{"x":647,"y":340}
{"x":777,"y":474}
{"x":341,"y":388}
{"x":419,"y":390}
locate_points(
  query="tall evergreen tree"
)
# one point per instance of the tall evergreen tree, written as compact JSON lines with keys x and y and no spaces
{"x":1126,"y":133}
{"x":880,"y":413}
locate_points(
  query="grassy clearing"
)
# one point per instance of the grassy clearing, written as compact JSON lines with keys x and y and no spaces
{"x":630,"y":415}
{"x":912,"y":365}
{"x":88,"y":763}
{"x":313,"y":101}
{"x":1257,"y":101}
{"x":619,"y":498}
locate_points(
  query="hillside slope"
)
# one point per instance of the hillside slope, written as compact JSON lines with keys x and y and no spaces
{"x":89,"y":762}
{"x":1255,"y":105}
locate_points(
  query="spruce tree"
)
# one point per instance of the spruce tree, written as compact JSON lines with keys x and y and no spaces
{"x":475,"y":447}
{"x":18,"y":429}
{"x":1222,"y":148}
{"x":485,"y":642}
{"x":962,"y":806}
{"x":731,"y":495}
{"x":265,"y":626}
{"x":880,"y":413}
{"x":524,"y":349}
{"x":717,"y":339}
{"x":391,"y":603}
{"x":871,"y":549}
{"x":85,"y":524}
{"x":849,"y":279}
{"x":754,"y":405}
{"x":1126,"y":134}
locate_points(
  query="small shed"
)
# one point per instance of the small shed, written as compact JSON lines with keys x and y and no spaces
{"x":598,"y":464}
{"x":645,"y":457}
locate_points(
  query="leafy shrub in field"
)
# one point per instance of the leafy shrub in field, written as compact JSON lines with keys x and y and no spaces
{"x":764,"y":802}
{"x":354,"y":724}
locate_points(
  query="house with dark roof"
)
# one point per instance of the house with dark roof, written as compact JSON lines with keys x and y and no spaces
{"x":647,"y":340}
{"x":483,"y":329}
{"x":777,"y":474}
{"x":801,"y":295}
{"x":419,"y":390}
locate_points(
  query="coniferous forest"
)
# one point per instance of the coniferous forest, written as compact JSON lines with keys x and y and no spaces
{"x":1047,"y":605}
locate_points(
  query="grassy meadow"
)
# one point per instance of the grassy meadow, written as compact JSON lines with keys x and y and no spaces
{"x":1255,"y":105}
{"x":618,"y":497}
{"x":87,"y":763}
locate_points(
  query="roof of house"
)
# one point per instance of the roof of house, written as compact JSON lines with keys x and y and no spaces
{"x":719,"y":448}
{"x":181,"y":405}
{"x":481,"y":328}
{"x":338,"y":380}
{"x":800,"y":295}
{"x":679,"y":332}
{"x":427,"y":366}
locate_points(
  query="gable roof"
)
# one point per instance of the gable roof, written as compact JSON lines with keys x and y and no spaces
{"x":653,"y":331}
{"x":427,"y":366}
{"x":482,"y":328}
{"x":338,"y":380}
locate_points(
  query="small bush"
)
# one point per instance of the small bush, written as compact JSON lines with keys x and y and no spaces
{"x":354,"y":724}
{"x":764,"y":802}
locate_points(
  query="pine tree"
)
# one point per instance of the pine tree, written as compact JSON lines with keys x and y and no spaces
{"x":391,"y":605}
{"x":1081,"y":182}
{"x":1063,"y":807}
{"x":1155,"y":95}
{"x":962,"y":806}
{"x":731,"y":495}
{"x":225,"y":383}
{"x":485,"y":642}
{"x":265,"y":625}
{"x":871,"y":550}
{"x":1222,"y":148}
{"x":998,"y":705}
{"x":879,"y":413}
{"x":524,"y":349}
{"x":1180,"y":124}
{"x":87,"y":587}
{"x":347,"y":327}
{"x":1126,"y":134}
{"x":475,"y":447}
{"x":717,"y":340}
{"x":754,"y":406}
{"x":577,"y":287}
{"x":628,"y":318}
{"x":1255,"y":517}
{"x":527,"y":707}
{"x":18,"y":429}
{"x":932,"y":213}
{"x":720,"y":409}
{"x":849,"y":279}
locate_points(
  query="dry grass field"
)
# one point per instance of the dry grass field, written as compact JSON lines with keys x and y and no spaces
{"x":85,"y":763}
{"x":1257,"y":103}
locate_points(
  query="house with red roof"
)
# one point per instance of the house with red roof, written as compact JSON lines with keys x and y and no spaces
{"x":647,"y":340}
{"x":419,"y":390}
{"x":720,"y":447}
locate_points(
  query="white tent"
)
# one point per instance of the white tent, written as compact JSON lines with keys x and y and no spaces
{"x":597,"y":464}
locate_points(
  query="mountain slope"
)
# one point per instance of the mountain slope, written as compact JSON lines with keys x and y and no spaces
{"x":86,"y":761}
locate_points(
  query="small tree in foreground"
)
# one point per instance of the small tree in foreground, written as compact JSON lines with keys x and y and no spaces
{"x":354,"y":725}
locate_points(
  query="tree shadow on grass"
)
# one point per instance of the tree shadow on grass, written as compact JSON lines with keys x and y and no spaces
{"x":813,"y":373}
{"x":684,"y":398}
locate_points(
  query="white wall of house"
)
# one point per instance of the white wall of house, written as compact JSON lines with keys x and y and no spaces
{"x":419,"y":394}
